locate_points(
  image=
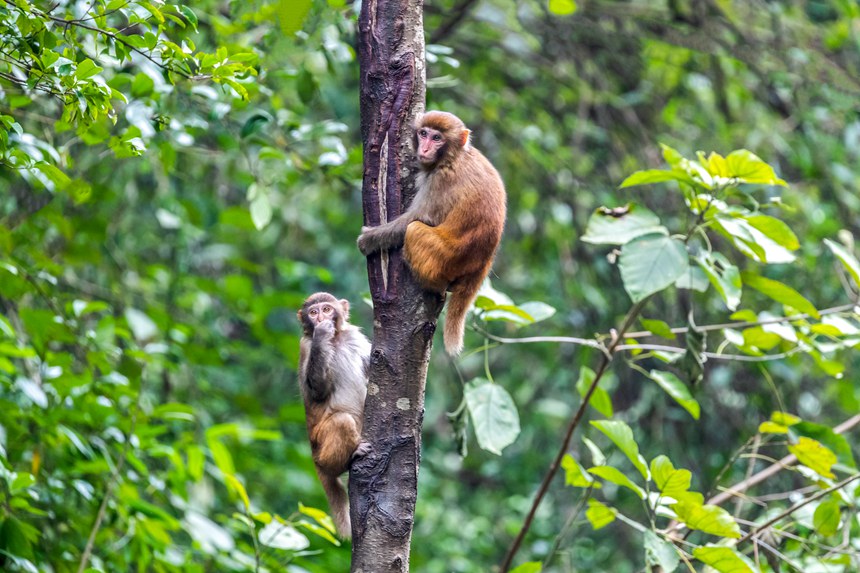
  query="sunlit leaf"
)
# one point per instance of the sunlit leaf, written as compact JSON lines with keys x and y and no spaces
{"x":562,"y":7}
{"x":849,"y":261}
{"x":814,"y":455}
{"x":707,"y":518}
{"x":748,"y":168}
{"x":670,"y":481}
{"x":724,"y":559}
{"x":598,"y":514}
{"x":575,"y":475}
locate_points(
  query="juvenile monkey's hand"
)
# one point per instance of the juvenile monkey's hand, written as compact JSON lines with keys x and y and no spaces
{"x":324,"y":330}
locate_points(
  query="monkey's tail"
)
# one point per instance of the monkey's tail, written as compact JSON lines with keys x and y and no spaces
{"x":462,"y":295}
{"x":339,"y":503}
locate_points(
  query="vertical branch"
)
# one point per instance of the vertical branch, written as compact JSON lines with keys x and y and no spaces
{"x":383,"y":485}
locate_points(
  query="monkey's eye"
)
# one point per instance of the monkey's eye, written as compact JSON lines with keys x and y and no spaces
{"x":437,"y":137}
{"x":326,"y":309}
{"x":423,"y":133}
{"x":313,"y":312}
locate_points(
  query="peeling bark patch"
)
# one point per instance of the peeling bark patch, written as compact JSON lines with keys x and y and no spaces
{"x":373,"y":389}
{"x":404,"y":404}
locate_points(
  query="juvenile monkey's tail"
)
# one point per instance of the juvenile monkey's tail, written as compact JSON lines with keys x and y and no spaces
{"x":339,"y":503}
{"x":463,"y":293}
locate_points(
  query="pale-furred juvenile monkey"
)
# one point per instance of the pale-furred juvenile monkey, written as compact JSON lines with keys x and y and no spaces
{"x":333,"y":367}
{"x":453,"y":227}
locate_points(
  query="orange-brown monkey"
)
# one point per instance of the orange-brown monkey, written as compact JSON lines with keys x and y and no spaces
{"x":452,"y":229}
{"x":333,"y":362}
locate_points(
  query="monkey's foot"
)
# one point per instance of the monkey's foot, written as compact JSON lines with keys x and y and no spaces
{"x":362,"y":450}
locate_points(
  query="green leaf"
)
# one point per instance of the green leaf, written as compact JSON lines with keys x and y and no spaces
{"x":723,"y":275}
{"x":651,"y":263}
{"x":621,"y":434}
{"x":671,"y":482}
{"x":750,"y":241}
{"x":141,"y":325}
{"x":621,"y":225}
{"x":615,"y":476}
{"x":221,"y":456}
{"x":57,"y":178}
{"x":651,"y":176}
{"x":87,"y":69}
{"x":658,"y":328}
{"x":748,"y":168}
{"x":780,"y":293}
{"x":847,"y":258}
{"x":530,"y":567}
{"x":261,"y":211}
{"x":562,"y":7}
{"x":814,"y":455}
{"x":600,"y":399}
{"x":724,"y":559}
{"x":660,"y":553}
{"x":837,"y":443}
{"x":707,"y":518}
{"x":575,"y":475}
{"x":282,"y":536}
{"x":827,"y":517}
{"x":494,"y":415}
{"x":774,"y":229}
{"x":675,"y":388}
{"x":537,"y":310}
{"x":292,"y":14}
{"x":598,"y":514}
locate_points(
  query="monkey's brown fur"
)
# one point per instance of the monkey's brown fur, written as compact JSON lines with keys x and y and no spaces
{"x":333,"y":363}
{"x":453,"y":227}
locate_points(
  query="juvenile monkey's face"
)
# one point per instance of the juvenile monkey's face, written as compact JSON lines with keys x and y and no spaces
{"x":321,"y":312}
{"x":431,"y":145}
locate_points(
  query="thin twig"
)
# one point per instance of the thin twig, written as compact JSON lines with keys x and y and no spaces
{"x":823,"y":493}
{"x":746,"y":324}
{"x":605,"y":360}
{"x":785,"y":462}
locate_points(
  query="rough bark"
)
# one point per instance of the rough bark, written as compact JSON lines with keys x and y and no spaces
{"x":383,"y":485}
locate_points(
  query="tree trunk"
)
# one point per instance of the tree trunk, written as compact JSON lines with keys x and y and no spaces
{"x":383,"y":485}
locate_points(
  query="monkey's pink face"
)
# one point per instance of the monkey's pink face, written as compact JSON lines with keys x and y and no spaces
{"x":430,"y":144}
{"x":321,"y":312}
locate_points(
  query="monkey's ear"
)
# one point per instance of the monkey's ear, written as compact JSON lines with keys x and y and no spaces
{"x":464,"y":138}
{"x":299,"y":316}
{"x":345,"y":304}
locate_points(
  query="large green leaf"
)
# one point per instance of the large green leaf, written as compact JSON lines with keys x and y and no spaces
{"x":675,"y":388}
{"x":651,"y":263}
{"x":621,"y":434}
{"x":494,"y":415}
{"x":780,"y":293}
{"x":751,"y":241}
{"x":724,"y":559}
{"x":619,"y":226}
